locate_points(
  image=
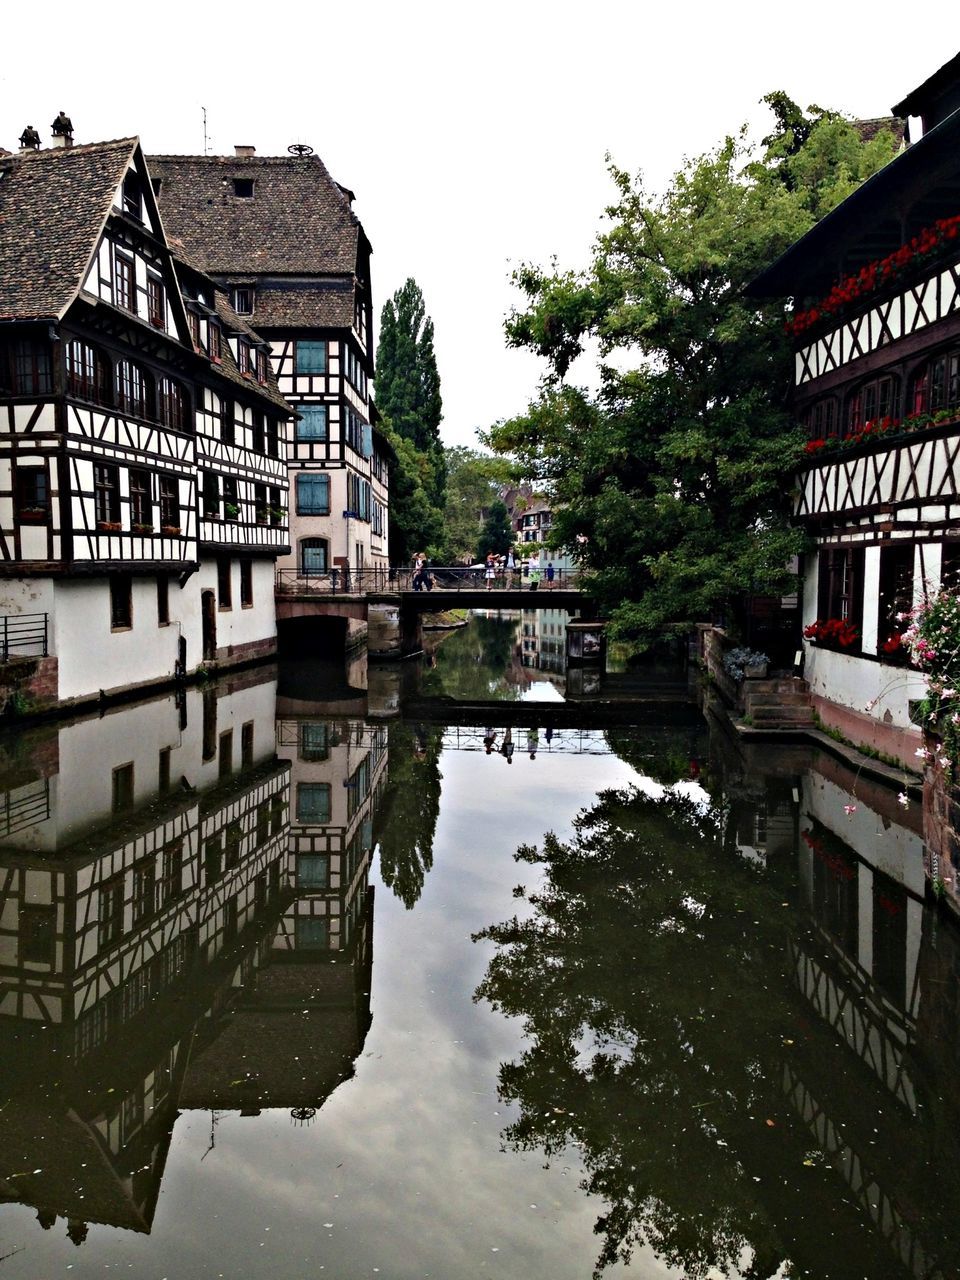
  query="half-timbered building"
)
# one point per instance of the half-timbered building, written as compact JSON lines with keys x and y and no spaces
{"x":876,"y":334}
{"x":281,"y":236}
{"x":143,"y":489}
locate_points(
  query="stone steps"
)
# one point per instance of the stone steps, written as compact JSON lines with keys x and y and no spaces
{"x":778,"y":716}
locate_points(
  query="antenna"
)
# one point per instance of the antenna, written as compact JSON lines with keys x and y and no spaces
{"x":204,"y":110}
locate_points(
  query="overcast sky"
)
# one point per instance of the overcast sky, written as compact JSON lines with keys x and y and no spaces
{"x":474,"y":137}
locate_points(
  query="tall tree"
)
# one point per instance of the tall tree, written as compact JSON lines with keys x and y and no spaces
{"x":674,"y":478}
{"x":408,"y":396}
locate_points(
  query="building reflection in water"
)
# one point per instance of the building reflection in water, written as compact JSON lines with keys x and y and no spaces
{"x":877,"y":970}
{"x":185,"y":922}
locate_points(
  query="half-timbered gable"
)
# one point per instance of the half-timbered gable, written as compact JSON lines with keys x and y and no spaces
{"x":282,"y":238}
{"x":128,"y":391}
{"x":876,"y":334}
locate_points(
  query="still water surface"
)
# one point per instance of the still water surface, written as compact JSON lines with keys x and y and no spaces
{"x":279,"y":998}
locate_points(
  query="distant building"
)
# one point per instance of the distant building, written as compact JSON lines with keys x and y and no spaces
{"x":281,"y":236}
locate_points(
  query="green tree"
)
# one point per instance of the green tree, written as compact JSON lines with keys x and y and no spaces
{"x":407,"y":818}
{"x":496,"y":534}
{"x":408,"y":396}
{"x":673,"y":479}
{"x":473,"y":479}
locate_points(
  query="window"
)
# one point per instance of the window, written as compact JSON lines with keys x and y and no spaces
{"x":261,"y":504}
{"x":86,"y":373}
{"x":32,"y":374}
{"x":261,"y":365}
{"x":310,"y":357}
{"x":313,"y":555}
{"x":879,"y":398}
{"x":311,"y":933}
{"x":156,"y":302}
{"x":121,"y":603}
{"x":895,"y":597}
{"x":224,"y":594}
{"x":141,"y":506}
{"x":246,"y":744}
{"x":312,"y":423}
{"x":233,"y":844}
{"x":32,"y":494}
{"x":273,"y":438}
{"x":243,"y":188}
{"x":131,"y":395}
{"x":228,"y":424}
{"x":936,"y":387}
{"x":313,"y":871}
{"x":213,"y":331}
{"x":358,"y":496}
{"x":231,"y":499}
{"x":173,"y":404}
{"x":163,"y":600}
{"x":106,"y":493}
{"x":122,"y":788}
{"x":314,"y":744}
{"x":211,"y":495}
{"x":209,"y":734}
{"x":263,"y":823}
{"x":841,"y":586}
{"x":193,"y":325}
{"x":144,"y":889}
{"x":37,"y":927}
{"x":313,"y":802}
{"x":169,"y":503}
{"x":212,"y":859}
{"x":276,"y":814}
{"x":163,"y":769}
{"x":111,"y":911}
{"x":172,"y":883}
{"x":258,"y":438}
{"x":124,"y":290}
{"x":225,"y":754}
{"x":246,"y":584}
{"x":277,"y":512}
{"x":313,"y":495}
{"x":243,"y":356}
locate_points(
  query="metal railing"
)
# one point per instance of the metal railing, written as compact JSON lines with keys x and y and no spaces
{"x":24,"y":634}
{"x":436,"y":579}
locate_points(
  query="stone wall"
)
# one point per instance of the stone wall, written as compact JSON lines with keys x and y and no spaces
{"x":28,"y":686}
{"x":941,"y":824}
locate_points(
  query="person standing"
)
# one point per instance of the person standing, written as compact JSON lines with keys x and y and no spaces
{"x":506,"y":750}
{"x":535,"y":571}
{"x":550,"y":575}
{"x":490,"y":570}
{"x":533,"y":742}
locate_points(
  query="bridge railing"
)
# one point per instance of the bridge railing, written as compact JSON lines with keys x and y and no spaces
{"x":438,"y":578}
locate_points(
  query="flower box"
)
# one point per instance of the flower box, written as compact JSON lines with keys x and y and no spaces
{"x":143,"y":528}
{"x":171,"y":530}
{"x":108,"y":526}
{"x":833,"y":633}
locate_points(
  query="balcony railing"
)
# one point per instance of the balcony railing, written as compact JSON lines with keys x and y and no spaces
{"x":23,"y":634}
{"x":442,"y":579}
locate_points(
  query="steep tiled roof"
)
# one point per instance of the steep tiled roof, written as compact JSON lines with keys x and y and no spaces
{"x":53,"y":205}
{"x":317,"y":306}
{"x":298,"y":221}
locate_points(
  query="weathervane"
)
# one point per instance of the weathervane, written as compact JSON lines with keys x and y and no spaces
{"x":300,"y":149}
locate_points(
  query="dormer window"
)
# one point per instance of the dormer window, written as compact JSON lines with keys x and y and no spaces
{"x":243,"y":356}
{"x":261,"y":366}
{"x":132,"y":199}
{"x":156,"y":306}
{"x":214,"y":340}
{"x":242,"y":299}
{"x":193,"y":324}
{"x":243,"y":188}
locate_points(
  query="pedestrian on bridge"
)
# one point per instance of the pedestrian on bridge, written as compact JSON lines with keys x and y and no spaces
{"x":490,"y":569}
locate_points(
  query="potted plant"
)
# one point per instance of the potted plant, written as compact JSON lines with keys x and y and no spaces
{"x":108,"y":526}
{"x":143,"y":528}
{"x":171,"y":530}
{"x":745,"y":664}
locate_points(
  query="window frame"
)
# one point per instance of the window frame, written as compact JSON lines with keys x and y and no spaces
{"x":305,"y":480}
{"x":310,"y":357}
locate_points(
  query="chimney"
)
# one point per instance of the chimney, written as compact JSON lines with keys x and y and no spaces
{"x":62,"y":130}
{"x":29,"y":139}
{"x":244,"y":153}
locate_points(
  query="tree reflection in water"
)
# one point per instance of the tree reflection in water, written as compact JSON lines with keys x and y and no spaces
{"x":407,"y":818}
{"x":651,"y":981}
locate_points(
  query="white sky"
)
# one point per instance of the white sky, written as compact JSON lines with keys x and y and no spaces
{"x":473,"y":138}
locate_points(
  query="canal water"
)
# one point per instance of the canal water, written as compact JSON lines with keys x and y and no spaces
{"x":292,"y":986}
